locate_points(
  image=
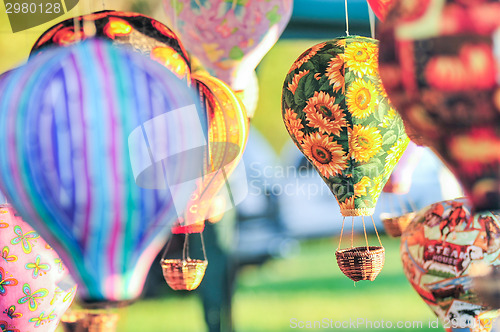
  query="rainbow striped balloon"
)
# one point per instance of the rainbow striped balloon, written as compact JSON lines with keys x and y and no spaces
{"x":94,"y":140}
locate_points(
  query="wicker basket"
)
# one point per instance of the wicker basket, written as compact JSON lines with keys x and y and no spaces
{"x":395,"y":226}
{"x":359,"y":263}
{"x":88,"y":321}
{"x":184,"y":274}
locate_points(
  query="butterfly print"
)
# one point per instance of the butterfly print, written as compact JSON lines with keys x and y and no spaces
{"x":24,"y":239}
{"x":5,"y":282}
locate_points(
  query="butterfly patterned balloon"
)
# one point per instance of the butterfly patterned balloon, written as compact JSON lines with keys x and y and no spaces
{"x":338,"y":115}
{"x":230,"y":37}
{"x":31,"y":277}
{"x":440,"y":64}
{"x":134,"y":30}
{"x":98,"y":164}
{"x":438,"y":250}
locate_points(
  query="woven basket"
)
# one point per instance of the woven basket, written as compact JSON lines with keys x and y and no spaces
{"x":183,"y":274}
{"x":358,"y":263}
{"x":395,"y":226}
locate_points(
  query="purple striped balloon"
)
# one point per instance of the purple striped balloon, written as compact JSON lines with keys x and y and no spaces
{"x":96,"y":143}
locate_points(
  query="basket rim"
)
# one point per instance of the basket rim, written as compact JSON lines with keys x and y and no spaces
{"x":360,"y":251}
{"x":184,"y":262}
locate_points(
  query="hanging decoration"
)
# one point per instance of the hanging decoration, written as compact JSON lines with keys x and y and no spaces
{"x":134,"y":30}
{"x":230,"y":37}
{"x":337,"y":113}
{"x":440,"y":65}
{"x":36,"y":288}
{"x":439,"y":248}
{"x":97,"y":165}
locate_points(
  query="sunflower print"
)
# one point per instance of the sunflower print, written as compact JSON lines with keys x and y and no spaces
{"x":322,"y":113}
{"x":361,"y":98}
{"x":338,"y":114}
{"x":364,"y":143}
{"x":327,"y":156}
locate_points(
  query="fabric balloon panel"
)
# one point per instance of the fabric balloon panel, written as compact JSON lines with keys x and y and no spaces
{"x":440,"y":66}
{"x":94,"y":118}
{"x":230,"y":37}
{"x":438,"y":250}
{"x":129,"y":29}
{"x":337,"y":113}
{"x":31,"y":275}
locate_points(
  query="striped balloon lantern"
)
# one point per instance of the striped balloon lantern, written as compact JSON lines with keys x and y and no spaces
{"x":97,"y":142}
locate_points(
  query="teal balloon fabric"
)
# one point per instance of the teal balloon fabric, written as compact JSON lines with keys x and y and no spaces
{"x":93,"y":139}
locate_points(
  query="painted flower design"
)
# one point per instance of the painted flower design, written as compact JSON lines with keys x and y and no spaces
{"x":169,"y":57}
{"x":361,"y":98}
{"x":32,"y":298}
{"x":377,"y":186}
{"x":335,"y":72}
{"x":322,"y":113}
{"x":388,"y":119}
{"x":117,"y":27}
{"x":292,"y":86}
{"x":25,"y":239}
{"x":395,"y":153}
{"x":42,"y":319}
{"x":326,"y":155}
{"x":347,"y":204}
{"x":5,"y":282}
{"x":361,"y":186}
{"x":362,"y":58}
{"x":37,"y":267}
{"x":364,"y":142}
{"x":306,"y":56}
{"x":294,"y":125}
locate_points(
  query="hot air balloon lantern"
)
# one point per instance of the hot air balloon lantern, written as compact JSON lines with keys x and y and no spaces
{"x":36,"y":286}
{"x":96,"y":167}
{"x":337,"y":113}
{"x":439,"y":64}
{"x":140,"y":32}
{"x":230,"y":37}
{"x":224,"y":115}
{"x":439,"y":249}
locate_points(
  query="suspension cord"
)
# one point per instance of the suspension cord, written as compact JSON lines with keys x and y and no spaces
{"x":366,"y":237}
{"x":346,"y":19}
{"x":378,"y":237}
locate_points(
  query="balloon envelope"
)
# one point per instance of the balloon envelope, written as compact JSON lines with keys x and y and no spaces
{"x":336,"y":111}
{"x":440,"y":65}
{"x":36,"y":287}
{"x":98,"y":142}
{"x":229,"y":37}
{"x":134,"y":30}
{"x":438,"y":249}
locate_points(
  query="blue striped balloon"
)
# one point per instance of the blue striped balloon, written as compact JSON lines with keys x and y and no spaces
{"x":94,"y":138}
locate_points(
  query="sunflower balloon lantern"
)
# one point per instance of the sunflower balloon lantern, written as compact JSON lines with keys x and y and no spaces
{"x":337,"y":113}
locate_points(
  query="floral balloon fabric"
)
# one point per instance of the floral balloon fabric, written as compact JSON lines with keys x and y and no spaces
{"x":338,"y":114}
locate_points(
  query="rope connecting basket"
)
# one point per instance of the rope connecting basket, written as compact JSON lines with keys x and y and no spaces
{"x":361,"y":263}
{"x":184,"y":274}
{"x":395,"y":226}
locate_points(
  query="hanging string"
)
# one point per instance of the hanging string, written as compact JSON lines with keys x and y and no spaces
{"x":184,"y":249}
{"x":341,"y":232}
{"x":346,"y":19}
{"x":371,"y":15}
{"x":366,"y":237}
{"x":376,"y":232}
{"x":167,"y":247}
{"x":352,"y":232}
{"x":203,"y":246}
{"x":412,"y":204}
{"x":102,"y":2}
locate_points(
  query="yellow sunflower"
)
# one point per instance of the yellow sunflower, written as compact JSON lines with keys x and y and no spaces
{"x":395,"y":153}
{"x":306,"y":56}
{"x":292,"y":86}
{"x":361,"y":98}
{"x":364,"y":142}
{"x":388,"y":118}
{"x":360,"y":187}
{"x":326,"y":155}
{"x":340,"y":43}
{"x":294,"y":125}
{"x":377,"y":186}
{"x":322,"y":113}
{"x":362,"y":58}
{"x":348,"y":204}
{"x":335,"y":72}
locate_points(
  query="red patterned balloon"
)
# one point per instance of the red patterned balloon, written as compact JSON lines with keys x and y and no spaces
{"x":439,"y":63}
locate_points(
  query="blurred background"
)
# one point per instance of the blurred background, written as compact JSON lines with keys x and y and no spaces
{"x":274,"y":255}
